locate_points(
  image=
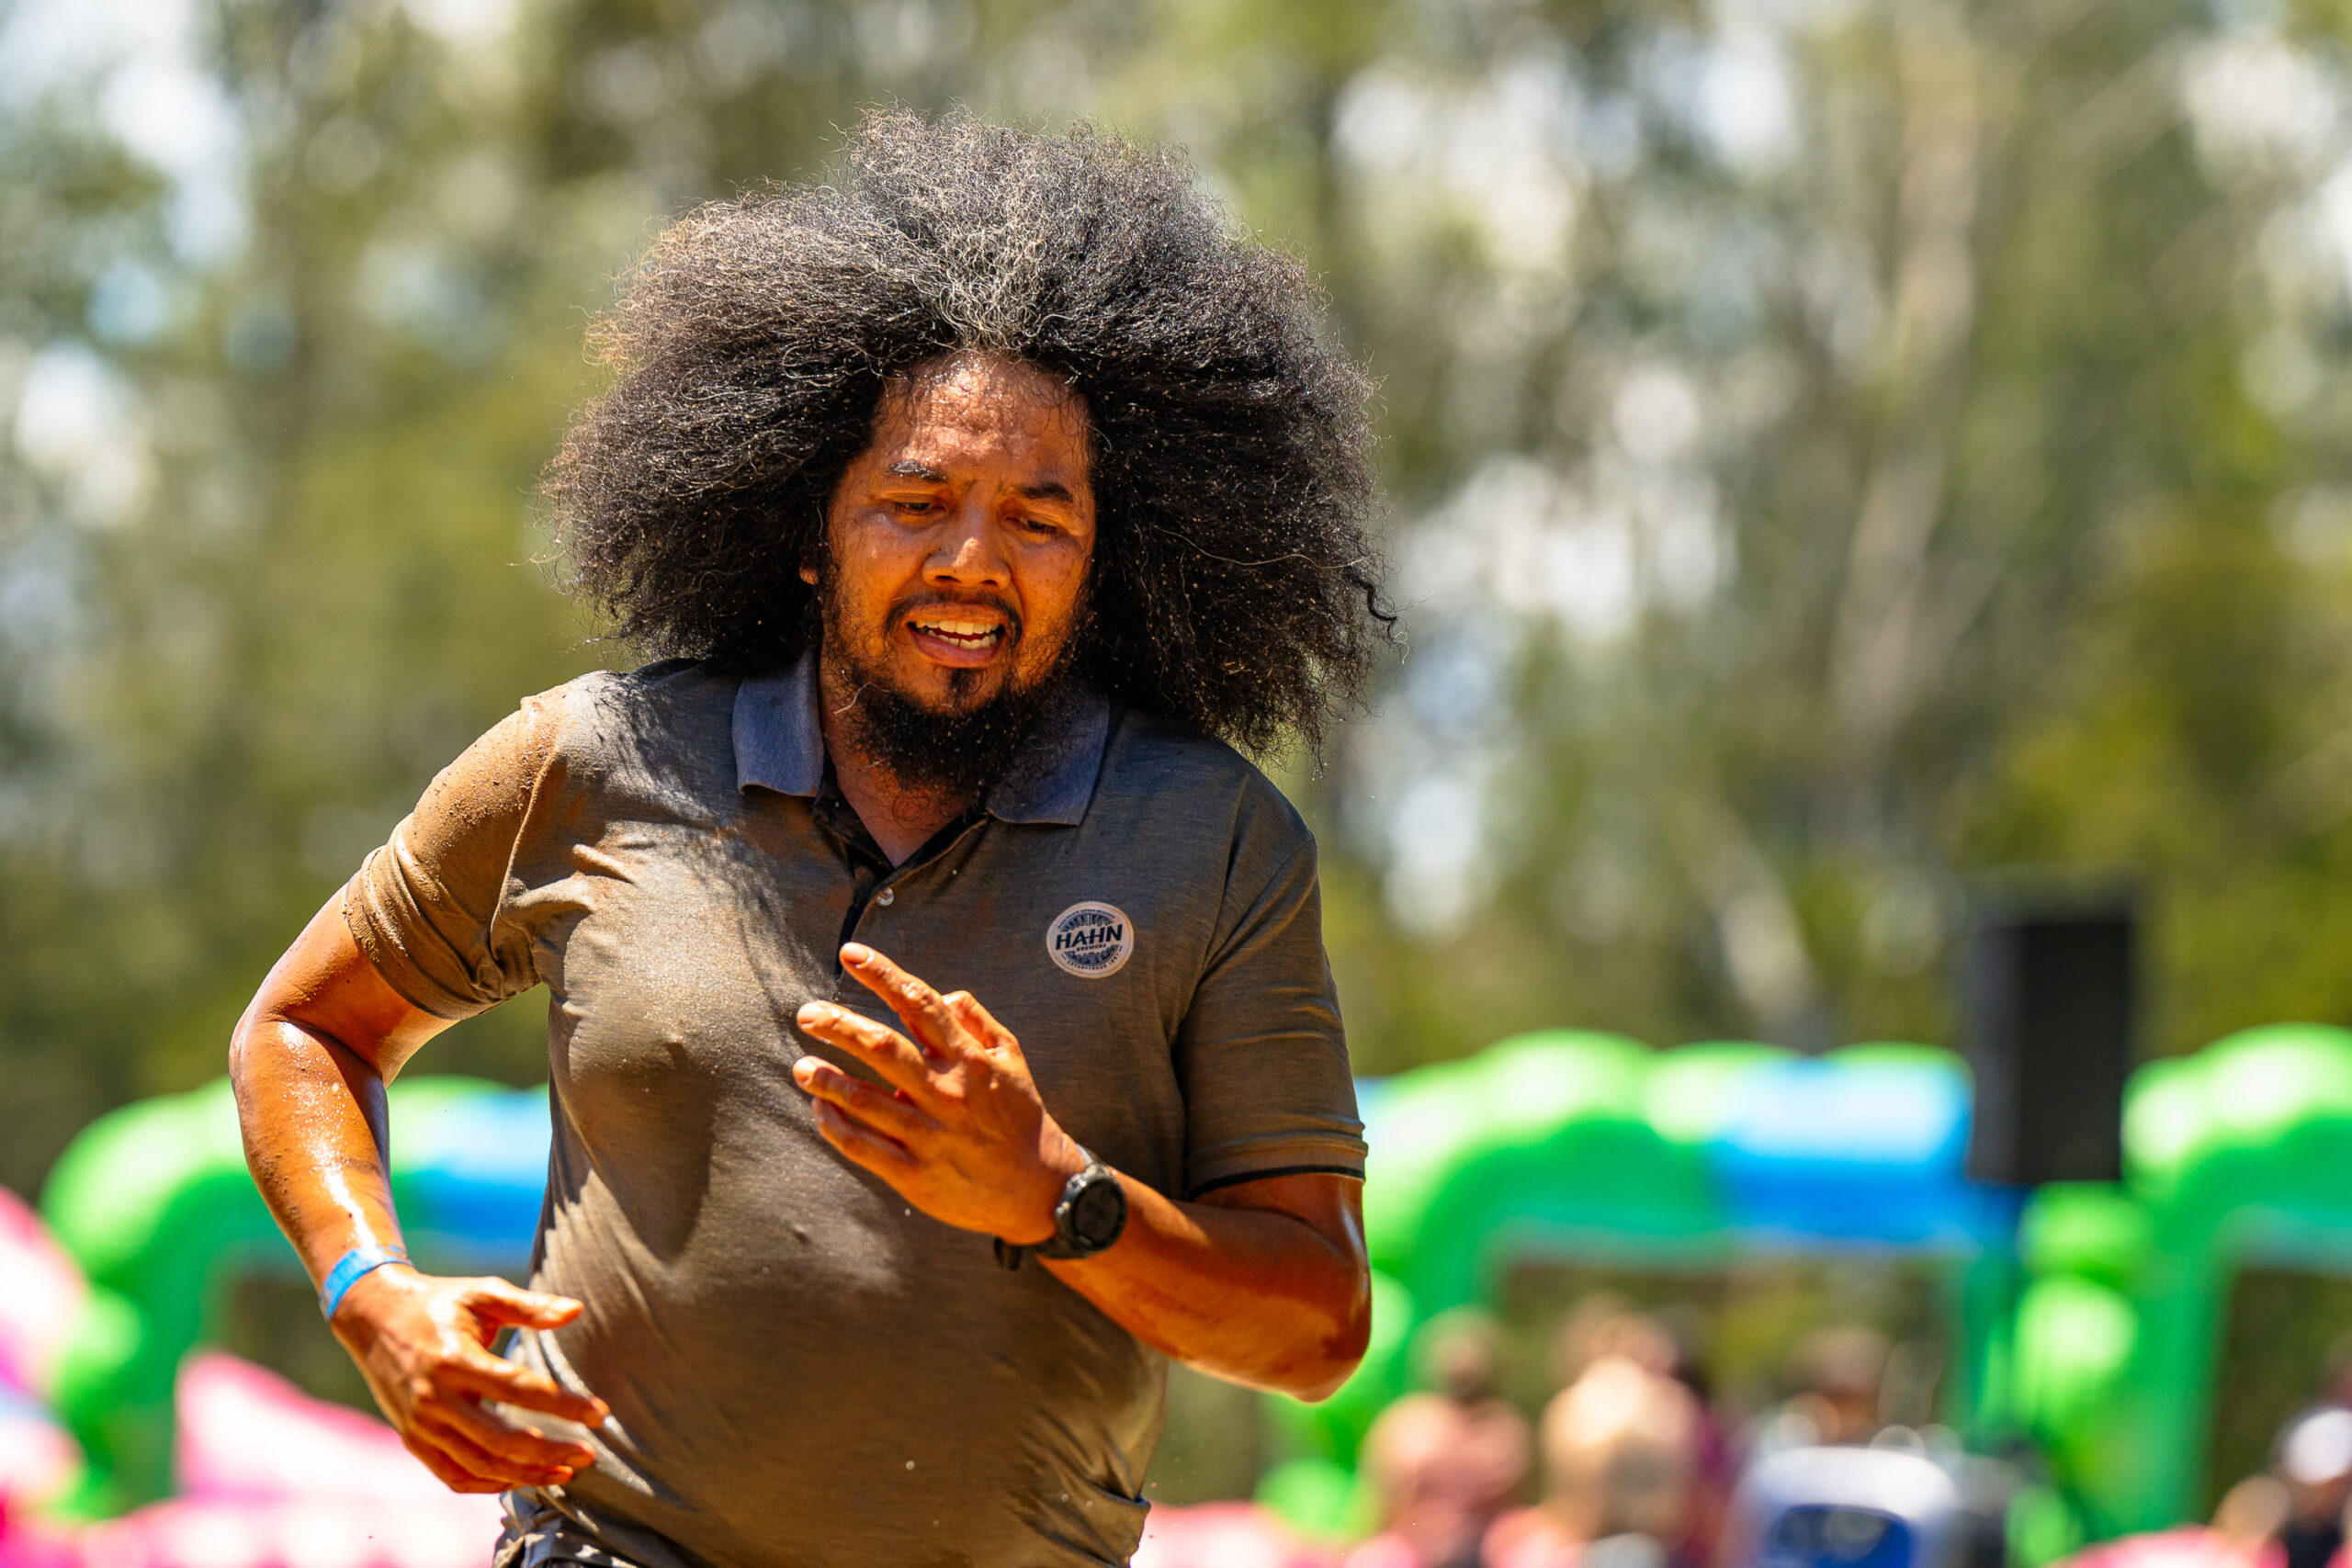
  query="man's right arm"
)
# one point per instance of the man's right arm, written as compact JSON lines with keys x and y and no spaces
{"x":309,"y":1060}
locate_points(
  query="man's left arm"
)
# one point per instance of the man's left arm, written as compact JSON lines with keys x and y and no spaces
{"x":1262,"y":1281}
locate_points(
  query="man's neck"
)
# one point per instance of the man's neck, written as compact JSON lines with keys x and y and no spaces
{"x":900,"y":819}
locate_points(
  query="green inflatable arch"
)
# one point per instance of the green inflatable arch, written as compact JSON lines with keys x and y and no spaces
{"x":153,"y":1202}
{"x":2098,"y":1336}
{"x":2238,"y":1155}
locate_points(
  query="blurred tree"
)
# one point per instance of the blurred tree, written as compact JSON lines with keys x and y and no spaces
{"x":1844,"y":447}
{"x":1836,"y":445}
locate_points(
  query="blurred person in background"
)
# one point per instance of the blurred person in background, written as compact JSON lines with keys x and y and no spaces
{"x":981,"y":499}
{"x":1606,"y":1325}
{"x":1714,"y":1453}
{"x":2243,"y":1533}
{"x":2335,"y":1374}
{"x":2249,"y":1517}
{"x":2313,"y":1462}
{"x":1622,"y":1463}
{"x":1840,"y":1372}
{"x":2292,"y":1516}
{"x":1445,"y":1463}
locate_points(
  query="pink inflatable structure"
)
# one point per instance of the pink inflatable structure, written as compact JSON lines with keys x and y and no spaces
{"x":268,"y":1477}
{"x":1225,"y":1535}
{"x":271,"y":1478}
{"x":39,"y":1461}
{"x":2188,"y":1546}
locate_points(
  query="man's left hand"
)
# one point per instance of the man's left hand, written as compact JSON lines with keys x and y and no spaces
{"x":955,"y":1126}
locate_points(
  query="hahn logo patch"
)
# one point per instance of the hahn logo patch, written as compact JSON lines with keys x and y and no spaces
{"x":1091,"y":940}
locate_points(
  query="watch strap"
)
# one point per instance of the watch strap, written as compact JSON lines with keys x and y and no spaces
{"x":1064,"y":1244}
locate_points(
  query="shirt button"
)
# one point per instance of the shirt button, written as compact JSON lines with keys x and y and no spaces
{"x":888,"y":896}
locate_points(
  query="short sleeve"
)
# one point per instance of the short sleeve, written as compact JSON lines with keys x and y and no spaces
{"x":426,"y":907}
{"x":1260,"y":1055}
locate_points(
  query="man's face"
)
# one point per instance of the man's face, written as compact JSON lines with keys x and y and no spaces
{"x":960,"y":538}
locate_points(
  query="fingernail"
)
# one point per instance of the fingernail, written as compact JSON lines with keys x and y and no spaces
{"x":856,"y":953}
{"x":805,"y":1068}
{"x":811,"y":1012}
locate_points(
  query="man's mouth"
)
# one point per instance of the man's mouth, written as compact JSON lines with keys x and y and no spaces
{"x":957,"y":636}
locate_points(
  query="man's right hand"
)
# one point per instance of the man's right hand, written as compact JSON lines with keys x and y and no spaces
{"x":424,"y":1345}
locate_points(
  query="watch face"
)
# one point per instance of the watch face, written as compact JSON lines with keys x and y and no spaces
{"x":1099,"y":1211}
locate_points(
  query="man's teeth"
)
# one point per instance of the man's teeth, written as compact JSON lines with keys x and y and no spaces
{"x":962,"y":631}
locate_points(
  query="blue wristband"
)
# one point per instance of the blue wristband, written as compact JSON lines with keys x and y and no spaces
{"x":349,"y":1269}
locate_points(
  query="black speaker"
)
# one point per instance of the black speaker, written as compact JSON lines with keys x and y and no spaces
{"x":2048,"y":1003}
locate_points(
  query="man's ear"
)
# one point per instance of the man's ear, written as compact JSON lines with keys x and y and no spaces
{"x":808,"y":572}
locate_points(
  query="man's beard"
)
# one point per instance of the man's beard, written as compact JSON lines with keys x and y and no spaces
{"x":952,"y":755}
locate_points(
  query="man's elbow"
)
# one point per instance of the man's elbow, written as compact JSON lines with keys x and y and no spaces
{"x":240,"y":1047}
{"x":1339,"y":1352}
{"x":251,"y":1041}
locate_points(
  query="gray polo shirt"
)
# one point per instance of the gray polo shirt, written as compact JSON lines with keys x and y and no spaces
{"x":802,"y":1370}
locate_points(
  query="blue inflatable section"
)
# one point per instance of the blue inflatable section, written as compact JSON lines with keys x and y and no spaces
{"x":1815,"y":1153}
{"x":474,"y":1172}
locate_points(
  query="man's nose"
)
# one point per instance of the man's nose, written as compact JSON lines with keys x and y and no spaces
{"x":967,"y":555}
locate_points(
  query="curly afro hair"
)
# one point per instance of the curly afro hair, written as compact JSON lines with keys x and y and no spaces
{"x":1234,"y":587}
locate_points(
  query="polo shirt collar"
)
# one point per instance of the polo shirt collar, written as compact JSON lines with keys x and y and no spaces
{"x":780,"y":745}
{"x":1053,"y":775}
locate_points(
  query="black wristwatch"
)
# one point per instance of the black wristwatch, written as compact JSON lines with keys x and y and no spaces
{"x":1093,"y":1212}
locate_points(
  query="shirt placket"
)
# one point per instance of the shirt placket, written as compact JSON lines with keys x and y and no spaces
{"x":876,"y":885}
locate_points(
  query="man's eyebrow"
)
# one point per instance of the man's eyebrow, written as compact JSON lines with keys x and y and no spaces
{"x":908,"y":469}
{"x":1052,"y":490}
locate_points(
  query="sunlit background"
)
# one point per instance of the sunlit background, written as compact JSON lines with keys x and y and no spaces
{"x":1833,"y":447}
{"x":1837,"y":449}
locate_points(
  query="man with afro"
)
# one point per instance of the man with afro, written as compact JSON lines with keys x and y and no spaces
{"x":940,"y":1034}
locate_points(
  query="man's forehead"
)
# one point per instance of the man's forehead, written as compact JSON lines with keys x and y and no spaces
{"x":975,"y":406}
{"x":995,"y":378}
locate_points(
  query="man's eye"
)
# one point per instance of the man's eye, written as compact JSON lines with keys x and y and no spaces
{"x":918,"y":508}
